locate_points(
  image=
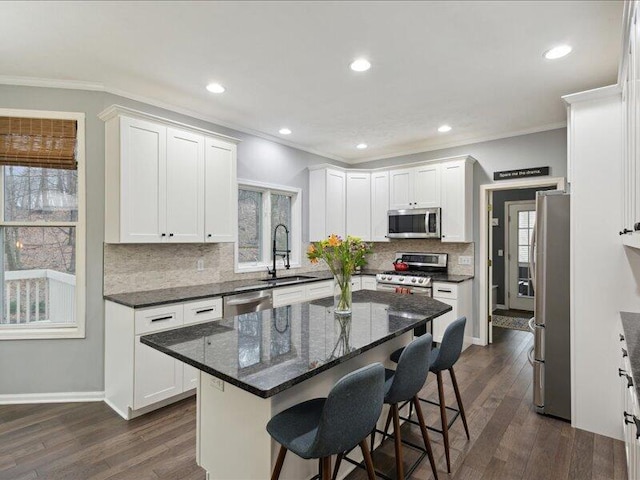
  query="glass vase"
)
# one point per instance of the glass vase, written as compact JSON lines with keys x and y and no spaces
{"x":342,"y":294}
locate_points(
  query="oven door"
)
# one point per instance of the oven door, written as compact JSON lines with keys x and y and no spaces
{"x":415,"y":223}
{"x":400,"y":289}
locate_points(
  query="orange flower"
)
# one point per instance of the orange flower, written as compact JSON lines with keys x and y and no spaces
{"x":334,"y":241}
{"x":314,"y":260}
{"x":311,"y":249}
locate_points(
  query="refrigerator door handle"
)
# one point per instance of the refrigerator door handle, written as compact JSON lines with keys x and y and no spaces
{"x":538,"y":343}
{"x":538,"y":384}
{"x":532,"y":258}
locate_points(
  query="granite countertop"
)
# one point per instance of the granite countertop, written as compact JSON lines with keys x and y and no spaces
{"x":270,"y":351}
{"x":445,"y":277}
{"x":631,"y":329}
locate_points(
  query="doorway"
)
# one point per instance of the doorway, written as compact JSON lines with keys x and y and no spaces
{"x":497,"y":276}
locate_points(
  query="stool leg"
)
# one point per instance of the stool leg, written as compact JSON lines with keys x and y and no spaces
{"x":386,"y":425}
{"x":278,"y":468}
{"x":368,"y":461}
{"x":425,"y":436}
{"x":459,"y":400}
{"x":398,"y":443}
{"x":445,"y":422}
{"x":337,"y":466}
{"x":326,"y":468}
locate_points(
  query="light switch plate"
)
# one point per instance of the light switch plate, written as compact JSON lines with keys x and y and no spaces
{"x":501,"y":253}
{"x":200,"y":264}
{"x":465,"y":260}
{"x":495,"y":222}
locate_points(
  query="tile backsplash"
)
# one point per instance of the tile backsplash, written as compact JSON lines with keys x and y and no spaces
{"x":132,"y":268}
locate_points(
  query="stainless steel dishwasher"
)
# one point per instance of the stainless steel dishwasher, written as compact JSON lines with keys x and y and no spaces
{"x":247,"y":302}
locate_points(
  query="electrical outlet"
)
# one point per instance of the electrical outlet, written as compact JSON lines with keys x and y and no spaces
{"x":217,"y":383}
{"x":200,"y":264}
{"x":465,"y":260}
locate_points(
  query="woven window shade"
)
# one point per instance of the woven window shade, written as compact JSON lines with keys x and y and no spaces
{"x":38,"y":142}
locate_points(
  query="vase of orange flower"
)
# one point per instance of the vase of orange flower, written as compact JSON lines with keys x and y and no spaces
{"x":342,"y":256}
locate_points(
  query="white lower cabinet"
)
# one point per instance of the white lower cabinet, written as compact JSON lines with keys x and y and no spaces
{"x":459,"y":296}
{"x":138,"y":378}
{"x":356,"y":284}
{"x":630,"y":413}
{"x":319,"y":290}
{"x":368,"y":283}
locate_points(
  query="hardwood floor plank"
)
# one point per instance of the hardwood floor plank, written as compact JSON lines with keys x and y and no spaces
{"x":582,"y":456}
{"x":602,"y":458}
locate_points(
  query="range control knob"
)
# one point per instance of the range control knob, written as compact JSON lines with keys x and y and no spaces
{"x":421,"y":280}
{"x":401,"y":279}
{"x":414,"y":280}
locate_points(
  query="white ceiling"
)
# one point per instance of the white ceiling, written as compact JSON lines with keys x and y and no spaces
{"x":477,"y":66}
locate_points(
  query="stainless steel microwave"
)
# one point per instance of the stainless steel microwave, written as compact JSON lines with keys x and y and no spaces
{"x":414,"y":223}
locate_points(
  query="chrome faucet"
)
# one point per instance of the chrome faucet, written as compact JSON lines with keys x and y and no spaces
{"x":282,"y":253}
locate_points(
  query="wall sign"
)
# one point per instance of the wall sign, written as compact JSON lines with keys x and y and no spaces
{"x":521,"y":173}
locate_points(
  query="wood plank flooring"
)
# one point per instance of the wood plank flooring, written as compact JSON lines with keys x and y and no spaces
{"x":88,"y":441}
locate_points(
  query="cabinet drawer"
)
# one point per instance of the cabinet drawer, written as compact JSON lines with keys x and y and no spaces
{"x":356,"y":284}
{"x":319,"y":290}
{"x":369,"y":283}
{"x":159,"y":318}
{"x":202,"y":311}
{"x":445,"y":290}
{"x":288,"y":295}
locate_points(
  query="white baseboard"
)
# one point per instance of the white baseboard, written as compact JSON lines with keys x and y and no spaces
{"x":477,"y":341}
{"x":58,"y":397}
{"x":501,"y":307}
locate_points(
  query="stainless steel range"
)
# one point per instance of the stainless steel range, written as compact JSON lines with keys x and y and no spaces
{"x":417,"y":278}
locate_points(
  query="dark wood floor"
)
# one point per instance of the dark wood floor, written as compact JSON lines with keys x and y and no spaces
{"x":83,"y":441}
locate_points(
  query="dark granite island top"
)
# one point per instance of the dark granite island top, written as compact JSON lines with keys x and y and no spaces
{"x":267,"y":352}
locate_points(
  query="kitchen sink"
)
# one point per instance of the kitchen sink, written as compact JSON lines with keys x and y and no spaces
{"x":292,"y":279}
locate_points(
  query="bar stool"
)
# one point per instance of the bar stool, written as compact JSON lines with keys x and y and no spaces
{"x":323,"y":427}
{"x":444,"y":358}
{"x":403,"y":385}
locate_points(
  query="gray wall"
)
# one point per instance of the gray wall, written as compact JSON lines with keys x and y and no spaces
{"x":533,"y":150}
{"x":499,"y":199}
{"x":77,"y":365}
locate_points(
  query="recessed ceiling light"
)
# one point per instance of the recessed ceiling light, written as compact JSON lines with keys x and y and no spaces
{"x":285,"y":131}
{"x":360,"y":65}
{"x":215,"y":88}
{"x":444,"y":128}
{"x":557,"y":52}
{"x":361,"y":146}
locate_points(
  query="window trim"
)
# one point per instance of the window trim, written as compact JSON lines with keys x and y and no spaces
{"x":21,"y":332}
{"x":295,"y":231}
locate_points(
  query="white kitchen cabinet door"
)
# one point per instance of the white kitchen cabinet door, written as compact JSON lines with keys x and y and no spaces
{"x":359,"y":205}
{"x":157,"y":375}
{"x":456,"y":196}
{"x":379,"y":206}
{"x":190,"y":377}
{"x":336,"y":203}
{"x":369,"y":283}
{"x":143,"y":160}
{"x":441,"y":323}
{"x":288,"y":295}
{"x":426,"y":186}
{"x":185,"y":186}
{"x":356,"y":284}
{"x":401,"y":184}
{"x":221,"y":191}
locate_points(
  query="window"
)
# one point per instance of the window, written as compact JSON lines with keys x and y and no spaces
{"x":261,"y":207}
{"x":41,"y":224}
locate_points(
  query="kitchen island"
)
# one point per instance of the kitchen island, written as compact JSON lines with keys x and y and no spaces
{"x":255,"y":365}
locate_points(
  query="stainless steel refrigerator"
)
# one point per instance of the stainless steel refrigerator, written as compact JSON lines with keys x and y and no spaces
{"x":550,"y":276}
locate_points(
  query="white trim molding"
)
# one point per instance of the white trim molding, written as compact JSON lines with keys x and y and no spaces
{"x":484,"y":253}
{"x":57,"y":397}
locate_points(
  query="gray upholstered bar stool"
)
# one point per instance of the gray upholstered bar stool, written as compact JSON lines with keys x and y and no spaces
{"x":323,"y":427}
{"x":403,"y":385}
{"x":444,"y":358}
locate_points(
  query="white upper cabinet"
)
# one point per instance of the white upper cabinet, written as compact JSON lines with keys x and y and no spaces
{"x":142,"y":167}
{"x":166,"y":184}
{"x":221,"y":191}
{"x":327,"y":203}
{"x":379,"y":206}
{"x":185,"y":186}
{"x":359,"y":205}
{"x":457,"y":201}
{"x":417,"y":187}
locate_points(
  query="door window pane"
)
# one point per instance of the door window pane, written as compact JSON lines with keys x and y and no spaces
{"x":39,"y":275}
{"x":40,"y":194}
{"x":249,"y":226}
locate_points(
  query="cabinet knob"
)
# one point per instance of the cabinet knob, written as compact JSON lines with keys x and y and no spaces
{"x":209,"y":235}
{"x":171,"y":234}
{"x":621,"y":337}
{"x":163,"y":234}
{"x":625,"y":231}
{"x":636,"y":226}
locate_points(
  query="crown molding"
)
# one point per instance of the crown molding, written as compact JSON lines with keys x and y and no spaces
{"x":594,"y":94}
